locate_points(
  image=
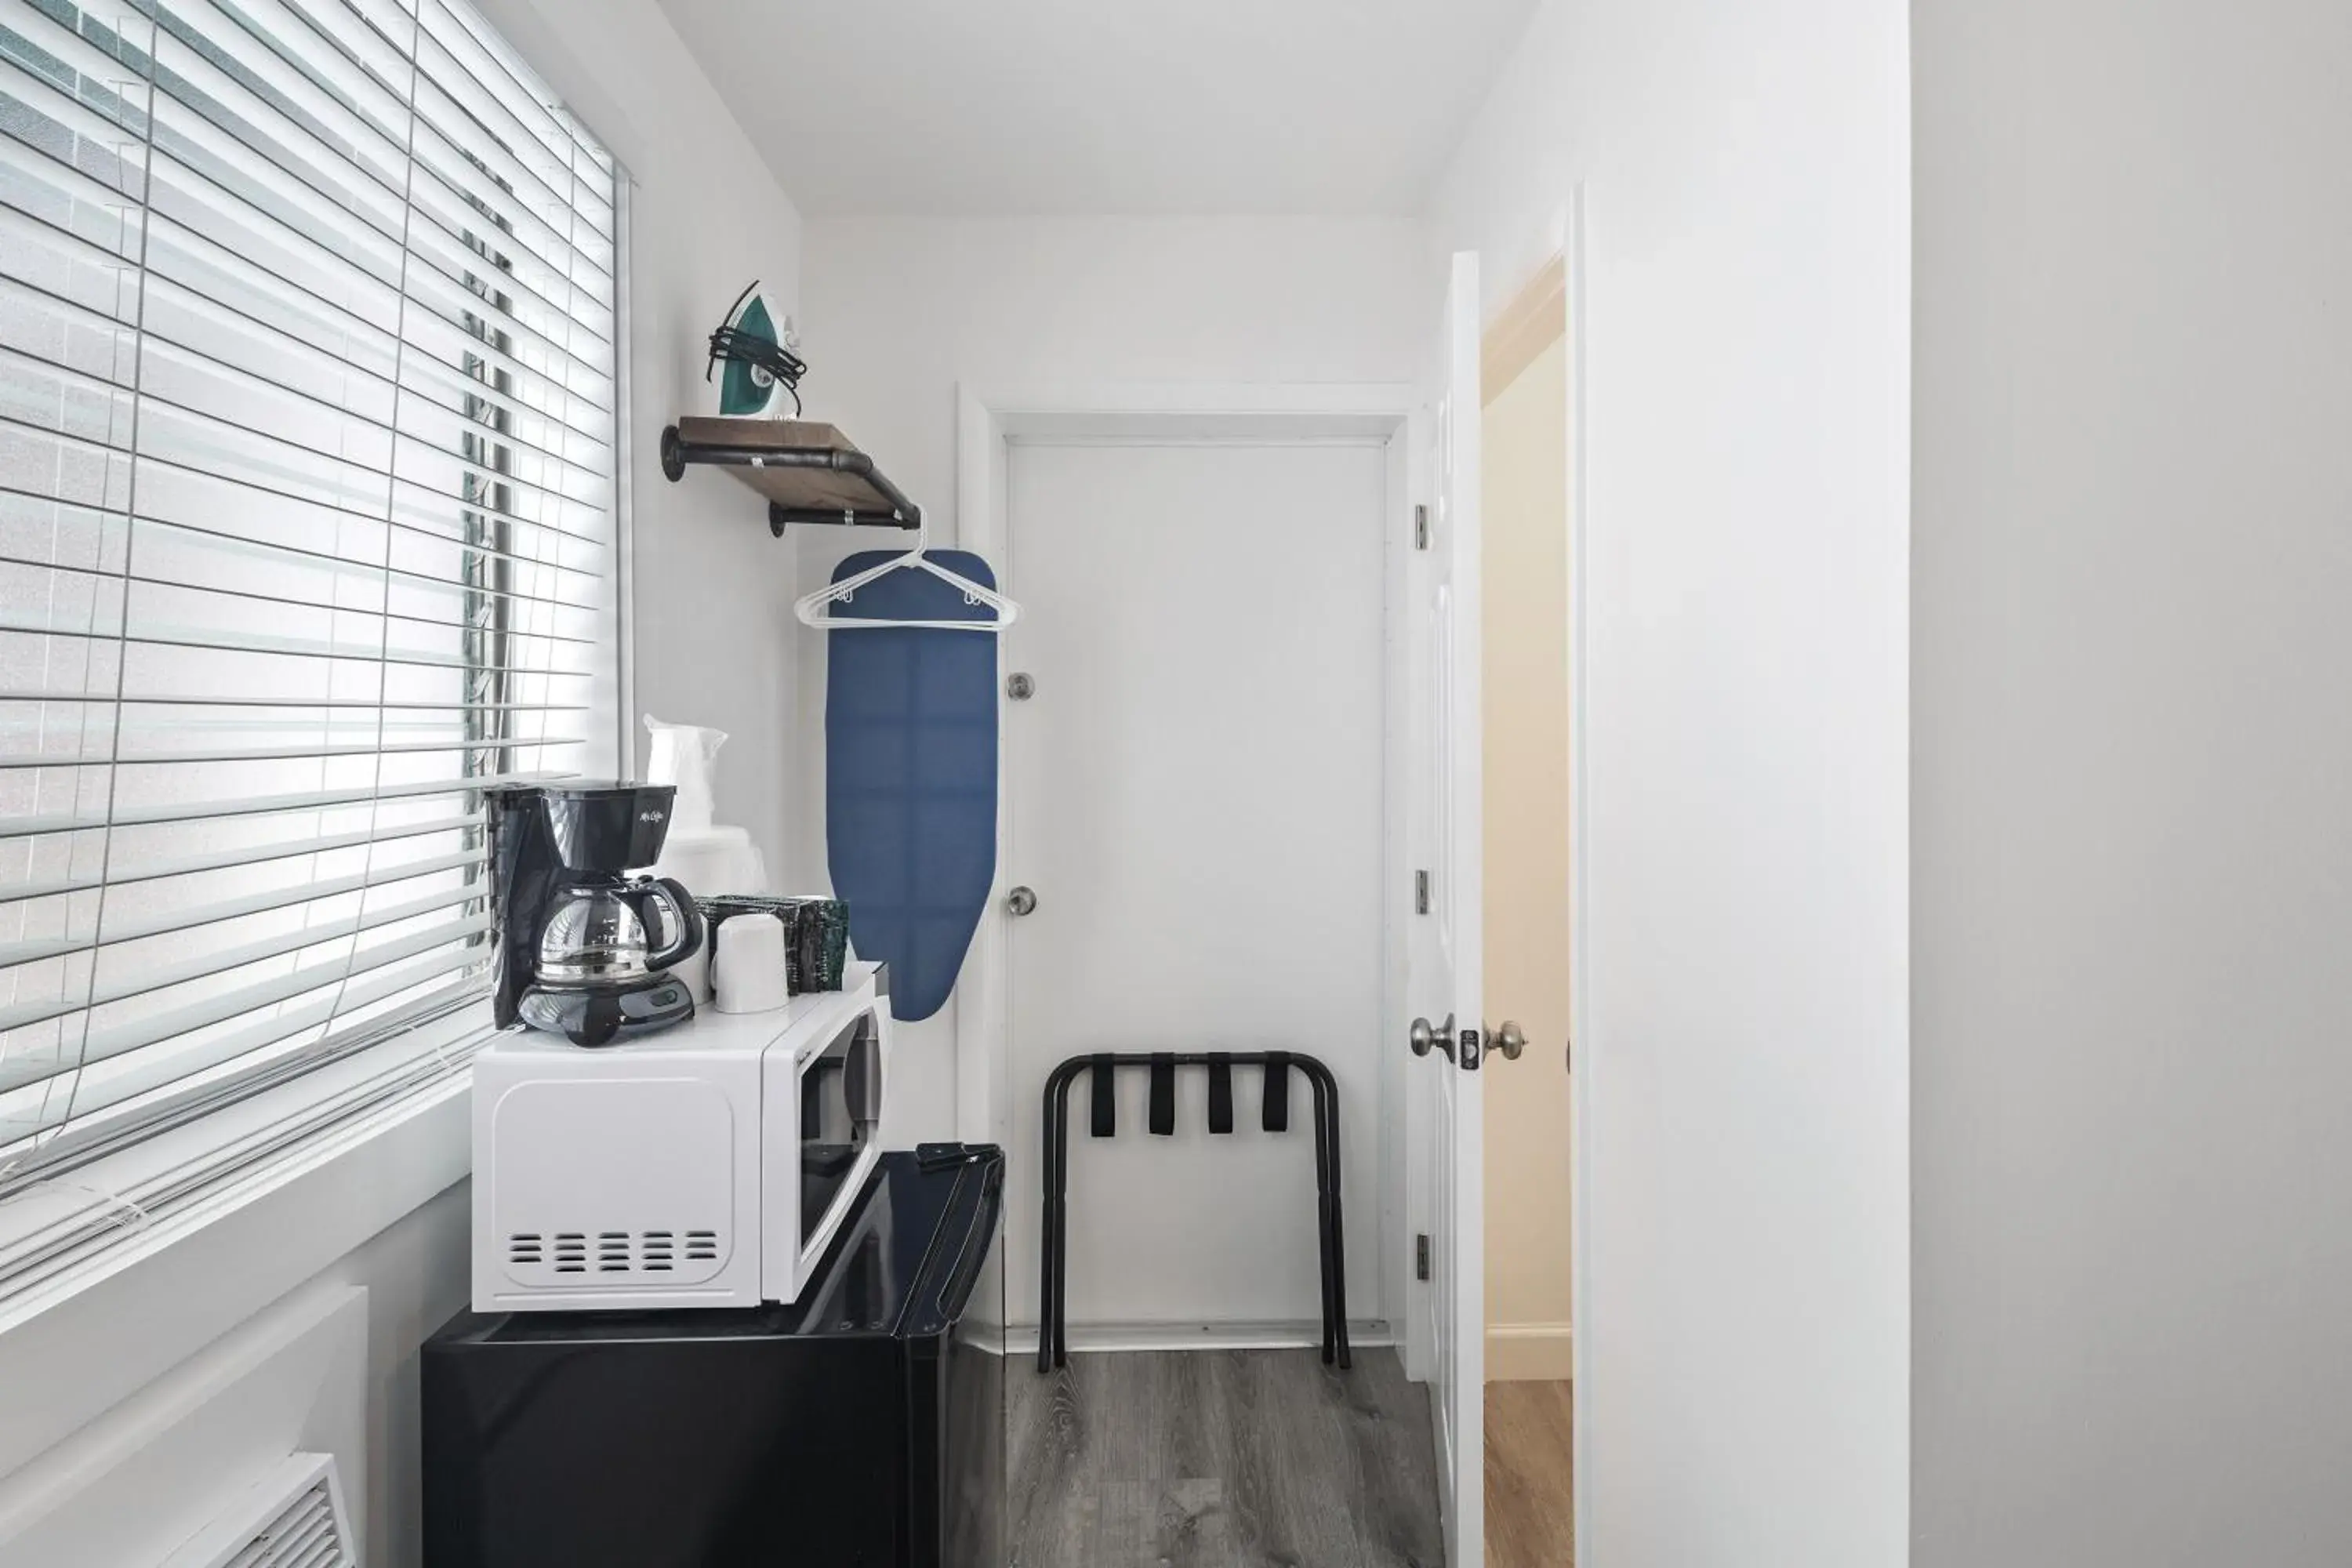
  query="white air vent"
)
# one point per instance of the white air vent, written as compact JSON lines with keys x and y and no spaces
{"x":293,"y":1518}
{"x":586,"y":1252}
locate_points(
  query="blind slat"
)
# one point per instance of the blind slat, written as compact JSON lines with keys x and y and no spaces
{"x":15,"y":952}
{"x":401,"y":577}
{"x":138,"y":699}
{"x":287,"y":897}
{"x":290,"y":752}
{"x":225,"y":961}
{"x":234,"y":860}
{"x":283,"y":647}
{"x":123,"y":1083}
{"x":535,"y":605}
{"x":412,"y":505}
{"x":308,"y":800}
{"x":163,"y":1026}
{"x":103,"y":1044}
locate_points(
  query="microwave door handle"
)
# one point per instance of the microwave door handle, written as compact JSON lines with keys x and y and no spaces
{"x":861,"y":1086}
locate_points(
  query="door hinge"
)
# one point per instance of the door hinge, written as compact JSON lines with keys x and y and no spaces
{"x":1421,"y":1256}
{"x":1420,"y":892}
{"x":1420,"y":527}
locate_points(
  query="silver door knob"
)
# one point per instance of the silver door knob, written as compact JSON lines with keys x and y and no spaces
{"x":1510,"y":1039}
{"x":1424,"y":1037}
{"x":1021,"y":901}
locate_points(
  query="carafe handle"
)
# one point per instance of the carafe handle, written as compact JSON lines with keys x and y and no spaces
{"x":688,"y":921}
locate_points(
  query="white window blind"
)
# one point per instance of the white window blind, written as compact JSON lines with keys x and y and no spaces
{"x":308,"y":459}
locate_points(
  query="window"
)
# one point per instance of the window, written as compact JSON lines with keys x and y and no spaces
{"x":308,"y":468}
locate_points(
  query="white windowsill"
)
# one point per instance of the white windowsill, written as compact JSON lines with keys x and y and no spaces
{"x":75,"y":1344}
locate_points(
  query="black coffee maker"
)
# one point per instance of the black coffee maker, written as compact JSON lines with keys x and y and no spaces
{"x":583,"y":947}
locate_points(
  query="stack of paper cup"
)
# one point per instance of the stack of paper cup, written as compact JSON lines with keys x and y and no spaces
{"x":746,"y":973}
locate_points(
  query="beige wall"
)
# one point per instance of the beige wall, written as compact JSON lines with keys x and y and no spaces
{"x":1526,"y":575}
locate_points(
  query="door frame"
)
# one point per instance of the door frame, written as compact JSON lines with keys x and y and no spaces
{"x":990,"y":421}
{"x":1562,"y":240}
{"x":1570,"y":225}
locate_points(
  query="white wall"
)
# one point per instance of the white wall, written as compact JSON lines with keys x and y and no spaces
{"x":714,"y":590}
{"x":899,"y":310}
{"x":169,"y":1314}
{"x":1745,"y":331}
{"x":1524,"y":602}
{"x":2132,"y":852}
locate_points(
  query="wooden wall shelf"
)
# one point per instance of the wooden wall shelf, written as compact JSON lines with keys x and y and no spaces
{"x":808,"y":472}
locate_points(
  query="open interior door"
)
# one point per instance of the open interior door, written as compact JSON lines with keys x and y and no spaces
{"x":1443,"y":982}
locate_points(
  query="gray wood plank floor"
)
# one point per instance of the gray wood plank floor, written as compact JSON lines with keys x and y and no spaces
{"x":1221,"y":1459}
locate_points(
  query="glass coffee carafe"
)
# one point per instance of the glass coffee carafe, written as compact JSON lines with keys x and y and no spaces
{"x":603,"y":933}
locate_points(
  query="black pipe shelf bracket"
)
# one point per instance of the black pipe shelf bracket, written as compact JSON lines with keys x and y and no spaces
{"x":808,"y":472}
{"x":1052,"y":1314}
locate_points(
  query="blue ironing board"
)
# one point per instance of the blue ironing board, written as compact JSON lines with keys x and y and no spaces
{"x":910,"y":776}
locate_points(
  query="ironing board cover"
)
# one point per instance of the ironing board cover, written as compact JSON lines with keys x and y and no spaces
{"x":910,"y":775}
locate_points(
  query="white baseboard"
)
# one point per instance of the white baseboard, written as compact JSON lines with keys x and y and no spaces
{"x":1531,"y":1353}
{"x":1021,"y":1339}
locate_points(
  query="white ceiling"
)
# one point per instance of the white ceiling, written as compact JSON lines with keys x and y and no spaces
{"x":1103,"y":106}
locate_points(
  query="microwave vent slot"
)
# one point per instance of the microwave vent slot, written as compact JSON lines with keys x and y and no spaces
{"x":611,"y":1251}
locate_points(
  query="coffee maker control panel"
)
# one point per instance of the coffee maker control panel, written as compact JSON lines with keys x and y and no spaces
{"x":638,"y":1004}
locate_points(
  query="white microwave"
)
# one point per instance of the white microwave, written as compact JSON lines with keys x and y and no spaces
{"x":708,"y":1165}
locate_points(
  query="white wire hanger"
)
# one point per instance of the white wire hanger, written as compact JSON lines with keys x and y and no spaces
{"x":814,"y":609}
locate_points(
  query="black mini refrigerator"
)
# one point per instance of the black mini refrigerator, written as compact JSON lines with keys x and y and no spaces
{"x":861,"y":1426}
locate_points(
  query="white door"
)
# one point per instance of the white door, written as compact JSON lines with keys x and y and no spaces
{"x":1194,"y":792}
{"x":1443,"y":983}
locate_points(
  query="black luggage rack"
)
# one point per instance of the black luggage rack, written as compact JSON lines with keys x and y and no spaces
{"x":1053,"y":1339}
